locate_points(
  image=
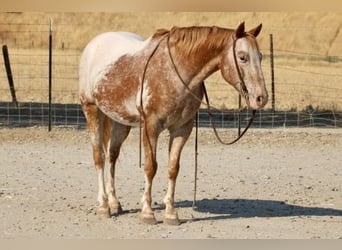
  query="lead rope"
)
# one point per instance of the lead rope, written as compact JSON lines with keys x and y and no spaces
{"x":141,"y":107}
{"x":196,"y":161}
{"x":245,"y":93}
{"x":217,"y":136}
{"x":250,"y":121}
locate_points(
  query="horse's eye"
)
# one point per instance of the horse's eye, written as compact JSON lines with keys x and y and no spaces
{"x":243,"y":57}
{"x":260,"y":56}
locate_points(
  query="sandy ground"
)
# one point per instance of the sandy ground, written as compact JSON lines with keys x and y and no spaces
{"x":279,"y":183}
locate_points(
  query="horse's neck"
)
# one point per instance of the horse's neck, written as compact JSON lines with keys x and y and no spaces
{"x":197,"y":64}
{"x":196,"y":67}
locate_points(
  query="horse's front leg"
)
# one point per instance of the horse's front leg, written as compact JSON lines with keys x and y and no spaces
{"x":178,"y":138}
{"x":150,"y":148}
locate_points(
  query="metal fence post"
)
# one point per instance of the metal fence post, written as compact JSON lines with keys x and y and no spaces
{"x":272,"y":77}
{"x":50,"y":73}
{"x":239,"y":116}
{"x":9,"y":74}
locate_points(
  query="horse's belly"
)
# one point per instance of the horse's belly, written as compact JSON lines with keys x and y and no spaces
{"x":121,"y":116}
{"x":119,"y":107}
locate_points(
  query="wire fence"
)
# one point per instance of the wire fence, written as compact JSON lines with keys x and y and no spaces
{"x":307,"y":90}
{"x":71,"y":115}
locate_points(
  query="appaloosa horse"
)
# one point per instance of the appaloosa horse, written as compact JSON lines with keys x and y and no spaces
{"x":156,"y":83}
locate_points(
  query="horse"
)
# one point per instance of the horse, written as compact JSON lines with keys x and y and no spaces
{"x":157,"y":83}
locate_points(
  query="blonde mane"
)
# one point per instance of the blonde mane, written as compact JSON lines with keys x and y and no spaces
{"x":192,"y":39}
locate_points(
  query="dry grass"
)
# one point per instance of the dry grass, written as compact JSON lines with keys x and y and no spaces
{"x":301,"y":78}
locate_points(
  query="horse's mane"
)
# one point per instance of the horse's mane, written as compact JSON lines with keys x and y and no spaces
{"x":192,"y":39}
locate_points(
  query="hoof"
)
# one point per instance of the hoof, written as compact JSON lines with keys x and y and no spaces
{"x":148,"y":219}
{"x":103,"y":212}
{"x":116,"y":210}
{"x":172,"y":221}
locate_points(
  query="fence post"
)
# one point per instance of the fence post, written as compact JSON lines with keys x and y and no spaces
{"x":239,"y":117}
{"x":9,"y":74}
{"x":50,"y":72}
{"x":272,"y":71}
{"x":272,"y":77}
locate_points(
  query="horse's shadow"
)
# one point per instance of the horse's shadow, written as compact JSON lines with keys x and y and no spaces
{"x":218,"y":209}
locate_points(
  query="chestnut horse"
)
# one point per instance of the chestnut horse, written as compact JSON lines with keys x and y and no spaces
{"x":126,"y":81}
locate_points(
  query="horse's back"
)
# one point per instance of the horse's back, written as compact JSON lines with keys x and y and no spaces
{"x":102,"y":52}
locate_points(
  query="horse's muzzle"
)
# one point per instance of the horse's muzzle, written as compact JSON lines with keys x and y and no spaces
{"x":258,"y":102}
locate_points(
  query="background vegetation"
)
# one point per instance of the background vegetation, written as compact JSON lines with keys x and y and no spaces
{"x":308,"y":52}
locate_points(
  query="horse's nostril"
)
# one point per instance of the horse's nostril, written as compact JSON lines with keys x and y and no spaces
{"x":260,"y":100}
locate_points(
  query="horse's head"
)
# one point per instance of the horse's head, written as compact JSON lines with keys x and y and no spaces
{"x":243,"y":70}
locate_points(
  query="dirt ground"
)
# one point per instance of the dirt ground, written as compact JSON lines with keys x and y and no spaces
{"x":278,"y":183}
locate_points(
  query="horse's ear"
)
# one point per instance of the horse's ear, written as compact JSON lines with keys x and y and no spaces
{"x":240,"y":31}
{"x":255,"y":32}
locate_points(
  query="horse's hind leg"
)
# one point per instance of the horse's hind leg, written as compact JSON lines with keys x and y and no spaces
{"x":118,"y":134}
{"x":178,"y":138}
{"x":95,"y":123}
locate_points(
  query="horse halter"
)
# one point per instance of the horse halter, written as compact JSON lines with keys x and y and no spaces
{"x":243,"y":87}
